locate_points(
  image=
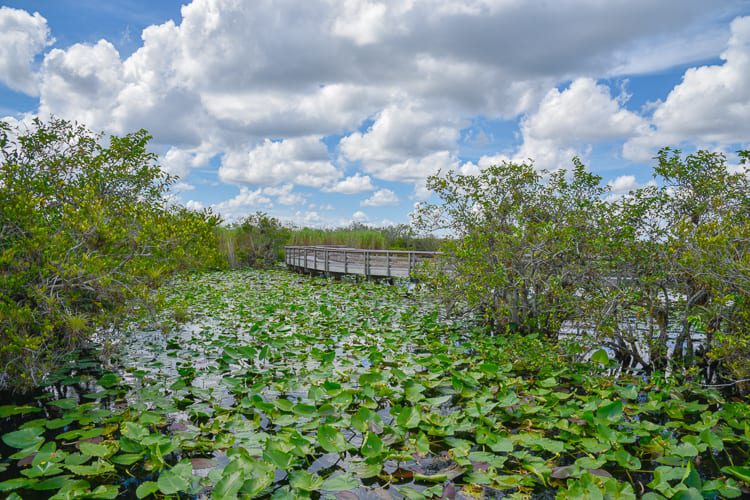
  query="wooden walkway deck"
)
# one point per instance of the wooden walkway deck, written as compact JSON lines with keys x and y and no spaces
{"x":331,"y":260}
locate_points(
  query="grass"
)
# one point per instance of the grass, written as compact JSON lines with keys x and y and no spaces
{"x":354,"y":238}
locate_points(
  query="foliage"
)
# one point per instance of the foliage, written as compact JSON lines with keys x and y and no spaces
{"x":306,"y":387}
{"x":85,"y":230}
{"x":258,"y":240}
{"x":646,"y":273}
{"x":524,"y":249}
{"x":398,"y":237}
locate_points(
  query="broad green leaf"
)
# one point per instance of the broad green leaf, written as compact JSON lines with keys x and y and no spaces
{"x":331,"y":439}
{"x":600,"y":357}
{"x":170,"y":483}
{"x":94,"y":450}
{"x":409,"y":417}
{"x":146,"y":488}
{"x":372,"y":445}
{"x":25,"y":438}
{"x":229,"y":485}
{"x":303,"y":480}
{"x":342,"y":482}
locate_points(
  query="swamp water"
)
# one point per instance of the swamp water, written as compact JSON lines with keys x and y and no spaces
{"x":293,"y":387}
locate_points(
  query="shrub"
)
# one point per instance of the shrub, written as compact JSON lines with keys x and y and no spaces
{"x":86,"y":234}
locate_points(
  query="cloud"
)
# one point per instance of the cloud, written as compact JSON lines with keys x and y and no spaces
{"x":360,"y":216}
{"x":309,"y":217}
{"x":381,"y":198}
{"x":585,"y":111}
{"x":711,"y":104}
{"x":194,"y":205}
{"x":82,"y":83}
{"x":623,"y":184}
{"x":22,"y":37}
{"x":303,"y":161}
{"x":567,"y":123}
{"x":285,"y":194}
{"x":180,"y":162}
{"x":397,"y":81}
{"x":352,"y":185}
{"x":404,"y":143}
{"x":181,"y":187}
{"x":245,"y":202}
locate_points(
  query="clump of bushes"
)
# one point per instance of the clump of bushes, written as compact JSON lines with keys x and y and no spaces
{"x":258,"y":240}
{"x":660,"y":276}
{"x":86,"y":236}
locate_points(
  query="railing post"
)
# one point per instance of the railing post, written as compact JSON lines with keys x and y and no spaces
{"x":388,"y":262}
{"x":328,"y":263}
{"x":346,"y":262}
{"x":367,"y":263}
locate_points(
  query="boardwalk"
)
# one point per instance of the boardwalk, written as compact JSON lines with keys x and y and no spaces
{"x":370,"y":263}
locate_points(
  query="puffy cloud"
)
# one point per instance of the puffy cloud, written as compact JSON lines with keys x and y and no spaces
{"x":623,"y":184}
{"x":181,"y":187}
{"x":352,"y":185}
{"x":309,"y":217}
{"x":360,"y":216}
{"x":398,"y":133}
{"x":285,"y":194}
{"x":22,"y":37}
{"x":362,"y":21}
{"x":180,"y":162}
{"x":301,"y":160}
{"x":82,"y":83}
{"x":585,"y":111}
{"x":245,"y":202}
{"x":418,"y":169}
{"x":380,"y":198}
{"x":710,"y":105}
{"x":567,"y":123}
{"x":194,"y":205}
{"x":404,"y":144}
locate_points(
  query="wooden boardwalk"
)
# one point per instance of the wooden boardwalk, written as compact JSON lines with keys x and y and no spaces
{"x":332,"y":260}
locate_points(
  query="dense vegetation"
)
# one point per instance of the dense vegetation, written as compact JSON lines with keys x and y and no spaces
{"x":258,"y":240}
{"x":592,"y":345}
{"x":398,"y":237}
{"x":86,"y":236}
{"x":660,"y":276}
{"x":290,"y":387}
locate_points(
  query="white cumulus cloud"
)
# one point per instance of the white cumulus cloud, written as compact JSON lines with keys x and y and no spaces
{"x":380,"y":198}
{"x":22,"y":37}
{"x":301,"y":161}
{"x":710,"y":106}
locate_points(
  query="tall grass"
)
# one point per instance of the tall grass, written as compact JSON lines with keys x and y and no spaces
{"x":348,"y":237}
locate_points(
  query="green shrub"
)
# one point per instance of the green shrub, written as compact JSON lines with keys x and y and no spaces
{"x":86,"y":234}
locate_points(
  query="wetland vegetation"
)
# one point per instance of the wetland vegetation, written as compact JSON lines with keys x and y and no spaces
{"x":567,"y":344}
{"x":287,"y":386}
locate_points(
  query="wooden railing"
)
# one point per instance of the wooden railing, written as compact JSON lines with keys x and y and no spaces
{"x":332,"y":260}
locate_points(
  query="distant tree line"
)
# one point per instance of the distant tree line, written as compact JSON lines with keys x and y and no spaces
{"x":258,"y":240}
{"x":661,"y":276}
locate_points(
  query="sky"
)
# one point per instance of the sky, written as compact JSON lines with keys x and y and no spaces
{"x":324,"y":112}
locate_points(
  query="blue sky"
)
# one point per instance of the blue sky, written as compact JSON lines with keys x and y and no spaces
{"x":323,"y":112}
